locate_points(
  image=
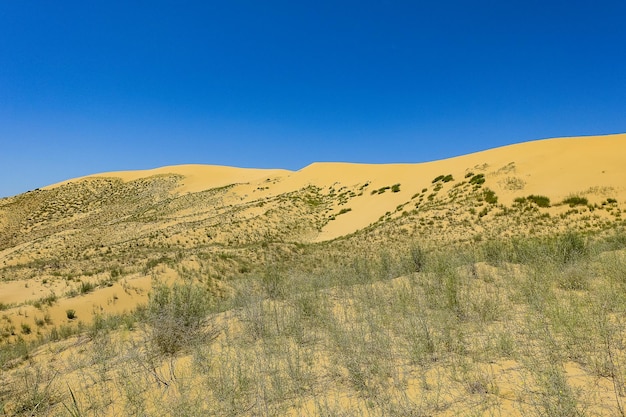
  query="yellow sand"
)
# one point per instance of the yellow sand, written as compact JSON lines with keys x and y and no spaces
{"x":552,"y":167}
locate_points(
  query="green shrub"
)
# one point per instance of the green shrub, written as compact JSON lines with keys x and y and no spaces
{"x":26,"y":328}
{"x":490,"y":196}
{"x":571,"y":247}
{"x":71,"y":314}
{"x":382,"y":190}
{"x":274,"y":283}
{"x":177,"y":316}
{"x":540,"y":200}
{"x":477,"y":179}
{"x":443,"y":178}
{"x":86,"y":287}
{"x":418,"y":258}
{"x":576,"y":201}
{"x":395,"y":188}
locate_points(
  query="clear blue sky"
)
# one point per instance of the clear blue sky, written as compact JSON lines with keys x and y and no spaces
{"x":93,"y":86}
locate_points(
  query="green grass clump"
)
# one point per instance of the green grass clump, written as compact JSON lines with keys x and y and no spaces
{"x":87,"y":287}
{"x":576,"y":201}
{"x":477,"y":179}
{"x":382,"y":190}
{"x":539,"y":200}
{"x":177,"y":316}
{"x":443,"y":178}
{"x":26,"y":328}
{"x":490,"y":196}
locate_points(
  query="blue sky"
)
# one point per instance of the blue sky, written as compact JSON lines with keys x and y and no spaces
{"x":93,"y":86}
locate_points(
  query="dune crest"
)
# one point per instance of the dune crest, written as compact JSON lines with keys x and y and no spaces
{"x":556,"y":168}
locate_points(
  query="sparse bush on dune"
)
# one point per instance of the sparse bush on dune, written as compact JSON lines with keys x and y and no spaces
{"x":177,"y":316}
{"x":71,"y":314}
{"x":477,"y":179}
{"x":540,"y":200}
{"x":575,"y":200}
{"x":490,"y":196}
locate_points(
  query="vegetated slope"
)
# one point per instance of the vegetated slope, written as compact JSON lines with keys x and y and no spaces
{"x":226,"y":221}
{"x":97,"y":245}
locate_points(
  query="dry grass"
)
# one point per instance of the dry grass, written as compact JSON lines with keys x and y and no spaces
{"x":470,"y":295}
{"x":471,"y":333}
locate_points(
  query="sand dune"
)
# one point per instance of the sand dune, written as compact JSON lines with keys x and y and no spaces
{"x":556,"y":168}
{"x":550,"y":166}
{"x":97,"y":248}
{"x":196,"y":177}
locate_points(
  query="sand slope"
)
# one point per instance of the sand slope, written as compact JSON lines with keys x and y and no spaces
{"x":556,"y":168}
{"x":67,"y":229}
{"x":196,"y":177}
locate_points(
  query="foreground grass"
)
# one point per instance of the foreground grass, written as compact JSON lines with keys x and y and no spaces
{"x":510,"y":327}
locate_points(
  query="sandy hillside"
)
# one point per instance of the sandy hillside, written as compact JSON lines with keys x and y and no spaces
{"x":553,"y":167}
{"x":290,"y":262}
{"x":94,"y":230}
{"x":196,"y":177}
{"x":556,"y":168}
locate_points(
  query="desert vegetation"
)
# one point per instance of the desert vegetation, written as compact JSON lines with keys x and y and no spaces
{"x":525,"y":326}
{"x":456,"y":292}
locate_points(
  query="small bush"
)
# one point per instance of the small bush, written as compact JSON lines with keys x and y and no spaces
{"x":571,"y":247}
{"x":540,"y":200}
{"x":477,"y":179}
{"x":395,"y":188}
{"x":274,"y":283}
{"x":576,"y":201}
{"x":71,"y":314}
{"x":448,"y":178}
{"x":418,"y":258}
{"x":381,"y":190}
{"x":177,"y":316}
{"x":438,"y":178}
{"x":26,"y":328}
{"x":87,"y":287}
{"x":490,"y":196}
